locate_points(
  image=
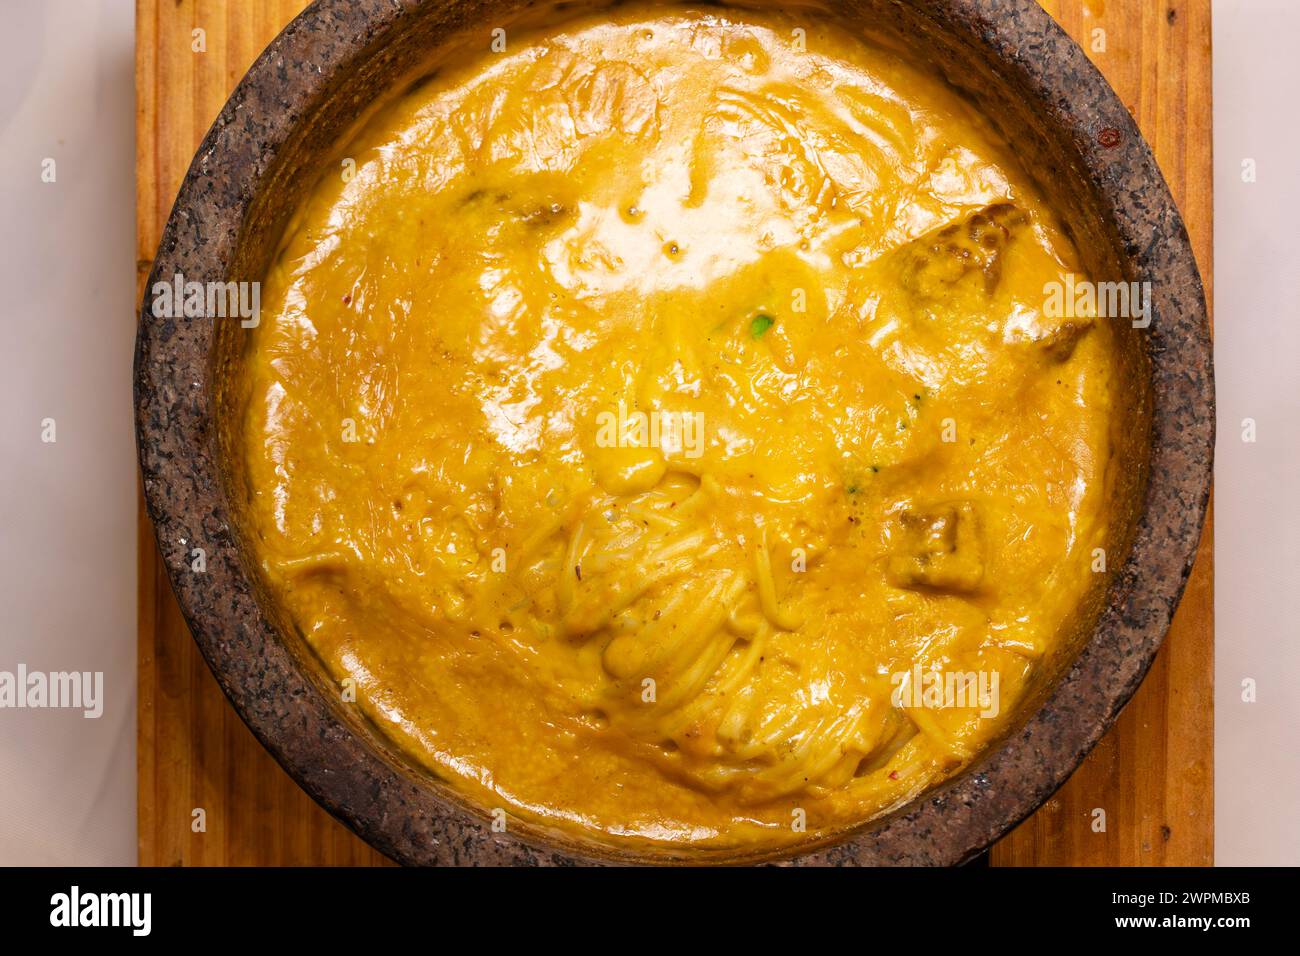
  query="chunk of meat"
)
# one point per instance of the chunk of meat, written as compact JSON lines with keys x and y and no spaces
{"x":1058,"y":343}
{"x":536,"y":206}
{"x":939,"y":547}
{"x":936,"y":262}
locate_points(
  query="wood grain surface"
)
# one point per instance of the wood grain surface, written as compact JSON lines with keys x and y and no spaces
{"x":1152,"y":775}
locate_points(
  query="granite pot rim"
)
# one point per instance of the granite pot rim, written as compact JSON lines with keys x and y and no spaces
{"x":416,"y":825}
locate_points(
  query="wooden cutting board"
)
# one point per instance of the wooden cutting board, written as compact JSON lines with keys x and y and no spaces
{"x":1153,"y":774}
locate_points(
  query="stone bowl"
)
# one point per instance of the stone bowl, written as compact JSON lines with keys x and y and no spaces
{"x":289,"y":114}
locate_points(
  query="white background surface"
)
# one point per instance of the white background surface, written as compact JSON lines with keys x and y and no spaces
{"x":67,"y":511}
{"x":1257,"y":358}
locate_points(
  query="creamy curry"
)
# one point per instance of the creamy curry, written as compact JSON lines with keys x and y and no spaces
{"x":656,"y":424}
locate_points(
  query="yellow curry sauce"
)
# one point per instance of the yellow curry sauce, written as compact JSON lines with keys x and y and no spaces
{"x":651,"y":409}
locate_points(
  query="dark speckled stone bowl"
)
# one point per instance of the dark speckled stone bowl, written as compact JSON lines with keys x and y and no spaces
{"x":292,"y":110}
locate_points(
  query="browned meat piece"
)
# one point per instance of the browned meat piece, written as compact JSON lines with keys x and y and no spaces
{"x":1058,"y":343}
{"x":936,"y":262}
{"x":938,"y":547}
